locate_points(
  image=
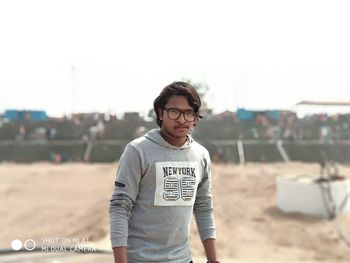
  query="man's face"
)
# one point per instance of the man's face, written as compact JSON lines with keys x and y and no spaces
{"x":180,"y":127}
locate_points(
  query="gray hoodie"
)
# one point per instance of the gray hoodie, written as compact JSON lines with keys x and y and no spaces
{"x":157,"y":188}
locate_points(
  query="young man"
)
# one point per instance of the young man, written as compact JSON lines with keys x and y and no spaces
{"x":163,"y":177}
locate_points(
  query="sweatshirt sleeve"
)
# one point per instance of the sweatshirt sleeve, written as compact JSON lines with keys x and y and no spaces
{"x":203,"y":206}
{"x":124,"y":195}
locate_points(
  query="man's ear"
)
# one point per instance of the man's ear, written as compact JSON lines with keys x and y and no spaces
{"x":195,"y":122}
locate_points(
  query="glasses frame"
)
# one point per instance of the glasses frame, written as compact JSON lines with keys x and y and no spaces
{"x":181,"y":113}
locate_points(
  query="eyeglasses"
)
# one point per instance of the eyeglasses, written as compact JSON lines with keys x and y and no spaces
{"x":174,"y":114}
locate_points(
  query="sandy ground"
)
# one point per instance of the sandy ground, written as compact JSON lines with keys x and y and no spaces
{"x":69,"y":203}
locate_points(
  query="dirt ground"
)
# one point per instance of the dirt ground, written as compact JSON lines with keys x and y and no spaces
{"x":69,"y":202}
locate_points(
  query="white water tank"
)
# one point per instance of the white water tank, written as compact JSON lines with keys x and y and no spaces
{"x":301,"y":193}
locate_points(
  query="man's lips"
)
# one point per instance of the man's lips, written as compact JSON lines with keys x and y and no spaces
{"x":181,"y":127}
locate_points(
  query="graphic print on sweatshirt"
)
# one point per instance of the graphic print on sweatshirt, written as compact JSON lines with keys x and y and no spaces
{"x":176,"y":183}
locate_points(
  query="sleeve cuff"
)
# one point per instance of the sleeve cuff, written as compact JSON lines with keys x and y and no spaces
{"x":208,"y":234}
{"x":119,"y":242}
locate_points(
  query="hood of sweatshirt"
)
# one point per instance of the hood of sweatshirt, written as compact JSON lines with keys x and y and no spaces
{"x":154,"y":136}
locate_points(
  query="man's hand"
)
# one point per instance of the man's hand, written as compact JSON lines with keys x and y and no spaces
{"x":210,"y":252}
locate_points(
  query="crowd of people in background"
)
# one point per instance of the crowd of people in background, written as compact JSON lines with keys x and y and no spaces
{"x":287,"y":126}
{"x":260,"y":126}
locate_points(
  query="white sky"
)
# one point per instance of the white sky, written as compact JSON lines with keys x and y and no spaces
{"x":253,"y":54}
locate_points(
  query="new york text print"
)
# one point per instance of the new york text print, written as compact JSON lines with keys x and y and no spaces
{"x":176,"y":183}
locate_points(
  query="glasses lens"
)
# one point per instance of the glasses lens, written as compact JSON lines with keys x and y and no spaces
{"x":174,"y":114}
{"x":190,"y":116}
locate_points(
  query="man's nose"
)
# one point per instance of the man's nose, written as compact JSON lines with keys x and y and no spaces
{"x":182,"y":118}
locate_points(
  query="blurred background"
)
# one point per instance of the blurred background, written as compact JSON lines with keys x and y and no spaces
{"x":78,"y":80}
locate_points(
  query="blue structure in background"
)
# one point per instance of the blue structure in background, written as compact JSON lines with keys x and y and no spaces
{"x":245,"y":115}
{"x":273,"y":115}
{"x":25,"y":115}
{"x":248,"y":115}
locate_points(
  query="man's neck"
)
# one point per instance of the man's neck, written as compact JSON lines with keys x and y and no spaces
{"x":178,"y":142}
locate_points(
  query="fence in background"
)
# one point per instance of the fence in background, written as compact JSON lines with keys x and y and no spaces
{"x":235,"y":151}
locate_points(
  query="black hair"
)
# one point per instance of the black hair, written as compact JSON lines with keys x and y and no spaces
{"x":178,"y":88}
